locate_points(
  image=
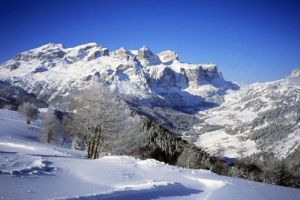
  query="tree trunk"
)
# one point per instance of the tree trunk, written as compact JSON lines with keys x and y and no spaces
{"x":90,"y":142}
{"x":62,"y":143}
{"x":49,"y":136}
{"x":94,"y":144}
{"x":97,"y":147}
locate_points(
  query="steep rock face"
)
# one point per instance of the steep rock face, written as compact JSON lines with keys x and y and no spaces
{"x":296,"y":73}
{"x":168,"y":56}
{"x":14,"y":96}
{"x":169,"y":78}
{"x":210,"y":73}
{"x":147,"y":57}
{"x":123,"y":54}
{"x":44,"y":53}
{"x":86,"y":52}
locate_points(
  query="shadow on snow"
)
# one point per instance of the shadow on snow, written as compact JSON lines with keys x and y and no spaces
{"x":170,"y":190}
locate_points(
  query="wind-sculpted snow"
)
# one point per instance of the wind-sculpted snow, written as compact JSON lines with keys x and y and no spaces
{"x":21,"y":165}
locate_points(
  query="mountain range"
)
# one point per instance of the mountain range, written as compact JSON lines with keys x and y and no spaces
{"x":194,"y":101}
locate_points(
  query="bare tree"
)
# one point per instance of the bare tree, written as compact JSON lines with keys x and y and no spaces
{"x":67,"y":128}
{"x":99,"y":116}
{"x":51,"y":127}
{"x":29,"y":110}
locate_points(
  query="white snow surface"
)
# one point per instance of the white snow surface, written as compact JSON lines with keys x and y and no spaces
{"x":33,"y":170}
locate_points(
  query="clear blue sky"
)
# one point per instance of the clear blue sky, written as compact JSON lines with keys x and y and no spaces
{"x":250,"y":40}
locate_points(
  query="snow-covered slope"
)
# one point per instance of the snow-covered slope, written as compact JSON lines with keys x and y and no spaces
{"x":32,"y":170}
{"x":142,"y":77}
{"x":261,"y":117}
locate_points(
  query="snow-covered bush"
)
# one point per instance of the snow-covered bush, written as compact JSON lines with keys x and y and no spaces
{"x":51,"y":127}
{"x":29,"y":110}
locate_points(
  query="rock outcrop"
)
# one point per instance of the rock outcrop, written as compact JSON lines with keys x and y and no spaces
{"x":168,"y":57}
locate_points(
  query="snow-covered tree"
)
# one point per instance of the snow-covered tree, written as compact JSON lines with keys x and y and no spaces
{"x":67,"y":128}
{"x":51,"y":127}
{"x":29,"y":110}
{"x":99,"y":116}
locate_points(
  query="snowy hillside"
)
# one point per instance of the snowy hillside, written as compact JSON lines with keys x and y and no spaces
{"x":33,"y":170}
{"x":259,"y":117}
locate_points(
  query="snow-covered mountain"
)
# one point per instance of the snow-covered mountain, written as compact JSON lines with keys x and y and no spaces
{"x":192,"y":100}
{"x":142,"y":77}
{"x":261,"y":117}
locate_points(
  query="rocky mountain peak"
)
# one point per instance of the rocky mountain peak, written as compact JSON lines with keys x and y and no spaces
{"x":87,"y":46}
{"x":45,"y":52}
{"x":296,"y":72}
{"x":147,"y":57}
{"x":157,"y":79}
{"x":88,"y":52}
{"x":123,"y":53}
{"x":168,"y":56}
{"x":51,"y":46}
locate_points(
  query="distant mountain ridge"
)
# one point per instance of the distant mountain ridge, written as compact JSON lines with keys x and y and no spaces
{"x":141,"y":76}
